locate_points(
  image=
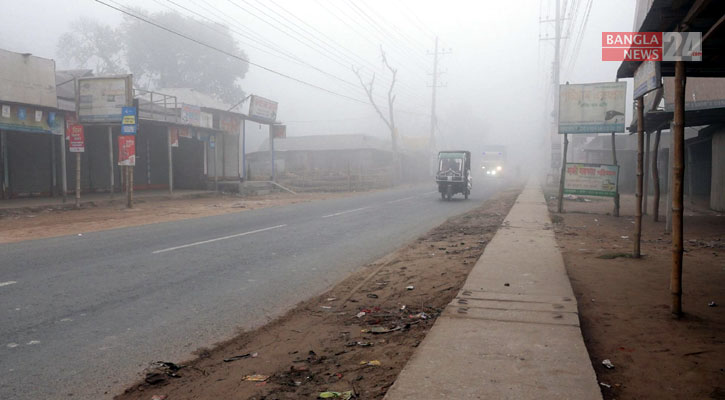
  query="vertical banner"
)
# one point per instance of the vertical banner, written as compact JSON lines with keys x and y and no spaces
{"x":77,"y":139}
{"x":174,"y":136}
{"x":127,"y":150}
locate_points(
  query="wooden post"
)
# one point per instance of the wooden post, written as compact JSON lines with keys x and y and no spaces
{"x":678,"y":172}
{"x":614,"y":161}
{"x":129,"y":186}
{"x":670,"y":179}
{"x":110,"y":160}
{"x":271,"y":153}
{"x":656,"y":178}
{"x":6,"y":173}
{"x":636,"y":253}
{"x":78,"y":180}
{"x":244,"y":149}
{"x":689,"y":161}
{"x":647,"y":161}
{"x":171,"y":160}
{"x":63,"y":167}
{"x":216,"y":179}
{"x":560,"y":205}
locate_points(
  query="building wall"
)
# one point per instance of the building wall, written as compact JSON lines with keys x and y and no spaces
{"x":717,"y":179}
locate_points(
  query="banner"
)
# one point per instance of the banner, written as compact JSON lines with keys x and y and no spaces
{"x":591,"y":179}
{"x":592,"y":107}
{"x":279,"y":131}
{"x":77,"y":142}
{"x":230,"y":123}
{"x":174,"y":137}
{"x":127,"y":150}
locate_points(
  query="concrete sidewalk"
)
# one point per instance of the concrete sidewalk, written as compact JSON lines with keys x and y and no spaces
{"x":513,"y":330}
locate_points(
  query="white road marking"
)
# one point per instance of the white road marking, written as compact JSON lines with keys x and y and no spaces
{"x":218,"y":239}
{"x":12,"y":345}
{"x":33,"y":342}
{"x":403,"y":199}
{"x":344,"y":212}
{"x":7,"y":283}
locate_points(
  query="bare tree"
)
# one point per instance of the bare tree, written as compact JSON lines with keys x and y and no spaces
{"x":390,"y":119}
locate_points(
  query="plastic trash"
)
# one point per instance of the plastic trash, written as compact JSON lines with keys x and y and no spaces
{"x":372,"y":363}
{"x":336,"y":395}
{"x":607,"y":363}
{"x":411,"y":287}
{"x":712,"y":304}
{"x":256,"y":378}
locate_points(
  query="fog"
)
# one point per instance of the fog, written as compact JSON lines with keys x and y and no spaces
{"x":495,"y":76}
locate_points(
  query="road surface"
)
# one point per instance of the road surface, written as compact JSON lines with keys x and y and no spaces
{"x":83,"y":314}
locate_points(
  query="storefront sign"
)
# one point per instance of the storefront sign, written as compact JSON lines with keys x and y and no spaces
{"x":591,"y":179}
{"x":29,"y":119}
{"x":279,"y":131}
{"x":127,"y":150}
{"x":77,"y":139}
{"x":190,"y":115}
{"x":230,"y":123}
{"x":262,"y":109}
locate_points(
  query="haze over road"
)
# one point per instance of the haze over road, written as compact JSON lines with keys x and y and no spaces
{"x":84,"y":314}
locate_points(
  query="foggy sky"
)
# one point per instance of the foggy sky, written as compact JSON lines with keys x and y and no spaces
{"x":495,"y":79}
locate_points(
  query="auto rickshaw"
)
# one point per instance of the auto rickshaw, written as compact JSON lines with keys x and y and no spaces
{"x":454,"y":173}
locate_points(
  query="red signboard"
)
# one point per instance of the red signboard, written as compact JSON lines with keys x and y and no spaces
{"x":77,"y":139}
{"x":127,"y":150}
{"x":174,"y":137}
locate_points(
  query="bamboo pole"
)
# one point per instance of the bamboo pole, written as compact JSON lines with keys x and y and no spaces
{"x":636,"y":253}
{"x":614,"y":161}
{"x":110,"y":160}
{"x":678,"y":172}
{"x":656,"y":178}
{"x":647,"y":161}
{"x":560,"y":205}
{"x":78,"y":180}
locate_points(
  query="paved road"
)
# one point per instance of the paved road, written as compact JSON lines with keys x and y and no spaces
{"x":82,"y":315}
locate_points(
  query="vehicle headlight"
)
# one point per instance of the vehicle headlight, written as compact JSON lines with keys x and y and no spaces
{"x":488,"y":172}
{"x":493,"y":172}
{"x":498,"y":168}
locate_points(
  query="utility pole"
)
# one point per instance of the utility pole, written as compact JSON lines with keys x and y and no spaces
{"x":434,"y":86}
{"x":554,"y":134}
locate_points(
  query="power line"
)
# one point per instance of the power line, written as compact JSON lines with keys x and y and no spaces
{"x":229,"y":54}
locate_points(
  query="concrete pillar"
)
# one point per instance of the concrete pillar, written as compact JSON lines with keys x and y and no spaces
{"x":717,"y":179}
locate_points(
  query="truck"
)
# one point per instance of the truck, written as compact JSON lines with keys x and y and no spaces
{"x":493,"y":161}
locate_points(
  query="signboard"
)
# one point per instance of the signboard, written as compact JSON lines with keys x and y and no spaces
{"x":174,"y":137}
{"x":185,"y":132}
{"x":647,"y":78}
{"x":592,"y":107}
{"x":27,"y":79}
{"x":129,"y":124}
{"x":102,"y":99}
{"x":212,"y":142}
{"x":262,"y":109}
{"x":700,"y":93}
{"x":591,"y":179}
{"x":77,"y":142}
{"x":190,"y":115}
{"x":279,"y":131}
{"x":206,"y":120}
{"x":127,"y":150}
{"x":29,"y":119}
{"x":230,"y":123}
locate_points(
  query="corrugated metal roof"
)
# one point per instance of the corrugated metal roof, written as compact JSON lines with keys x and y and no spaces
{"x":196,"y":98}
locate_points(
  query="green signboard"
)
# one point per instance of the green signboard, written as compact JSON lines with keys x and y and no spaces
{"x":591,"y":179}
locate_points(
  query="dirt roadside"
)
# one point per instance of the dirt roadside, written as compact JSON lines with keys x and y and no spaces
{"x":355,"y":337}
{"x":42,"y":222}
{"x":624,"y":302}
